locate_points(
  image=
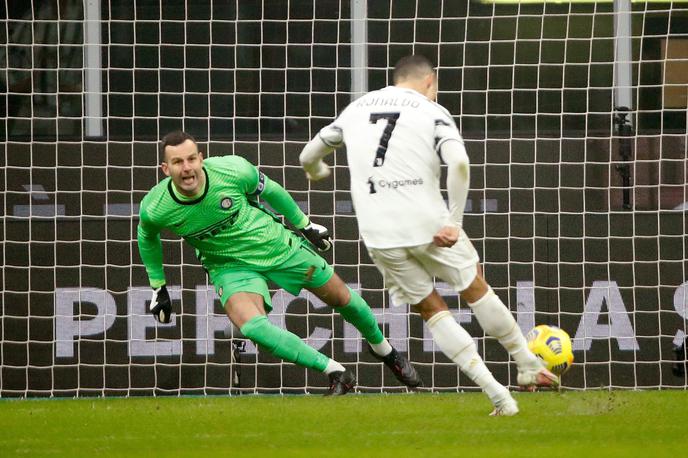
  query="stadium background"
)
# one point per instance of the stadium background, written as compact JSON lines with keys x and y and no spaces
{"x":531,"y":87}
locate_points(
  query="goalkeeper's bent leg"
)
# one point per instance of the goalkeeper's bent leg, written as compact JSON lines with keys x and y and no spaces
{"x":284,"y":344}
{"x":358,"y":313}
{"x":497,"y":321}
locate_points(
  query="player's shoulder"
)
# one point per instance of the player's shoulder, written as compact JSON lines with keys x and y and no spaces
{"x":369,"y":98}
{"x":441,"y":109}
{"x":155,"y":198}
{"x":389,"y":98}
{"x":231,"y":165}
{"x":229,"y":161}
{"x":417,"y":100}
{"x":231,"y":170}
{"x":433,"y":108}
{"x":441,"y":115}
{"x":156,"y":191}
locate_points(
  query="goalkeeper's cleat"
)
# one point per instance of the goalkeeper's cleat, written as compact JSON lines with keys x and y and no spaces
{"x":530,"y":379}
{"x":341,"y":382}
{"x":400,"y":367}
{"x":506,"y":408}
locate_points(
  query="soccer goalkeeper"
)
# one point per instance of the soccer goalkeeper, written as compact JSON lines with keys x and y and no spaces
{"x":212,"y":204}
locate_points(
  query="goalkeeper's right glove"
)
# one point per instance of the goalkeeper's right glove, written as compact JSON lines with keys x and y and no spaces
{"x":161,"y":306}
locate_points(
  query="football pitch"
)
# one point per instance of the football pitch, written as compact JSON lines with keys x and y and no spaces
{"x":580,"y":424}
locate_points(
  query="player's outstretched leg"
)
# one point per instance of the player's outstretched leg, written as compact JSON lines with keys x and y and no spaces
{"x":496,"y":320}
{"x":358,"y":313}
{"x":458,"y":346}
{"x":289,"y":347}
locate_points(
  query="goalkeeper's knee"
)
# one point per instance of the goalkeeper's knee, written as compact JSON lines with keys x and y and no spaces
{"x":263,"y":333}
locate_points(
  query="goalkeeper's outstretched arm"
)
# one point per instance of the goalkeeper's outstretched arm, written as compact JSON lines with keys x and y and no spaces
{"x":150,"y":249}
{"x":284,"y":203}
{"x":279,"y":199}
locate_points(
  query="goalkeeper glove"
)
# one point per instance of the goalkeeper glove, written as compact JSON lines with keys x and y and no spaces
{"x":318,"y":235}
{"x":161,"y":306}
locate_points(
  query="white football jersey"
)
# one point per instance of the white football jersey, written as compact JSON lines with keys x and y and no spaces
{"x":392,"y":139}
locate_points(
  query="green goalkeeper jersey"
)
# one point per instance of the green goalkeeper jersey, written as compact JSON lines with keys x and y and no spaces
{"x":225,"y":224}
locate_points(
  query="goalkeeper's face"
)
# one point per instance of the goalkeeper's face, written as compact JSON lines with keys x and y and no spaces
{"x":184,"y":164}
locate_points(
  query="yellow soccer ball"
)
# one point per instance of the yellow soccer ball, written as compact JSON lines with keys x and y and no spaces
{"x":553,"y":346}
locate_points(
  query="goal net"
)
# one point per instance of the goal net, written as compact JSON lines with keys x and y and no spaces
{"x":574,"y":116}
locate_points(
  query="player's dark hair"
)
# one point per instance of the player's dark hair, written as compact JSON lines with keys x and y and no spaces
{"x":413,"y":66}
{"x":173,"y":139}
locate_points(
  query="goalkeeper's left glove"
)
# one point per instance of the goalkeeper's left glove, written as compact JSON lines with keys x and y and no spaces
{"x":161,"y":305}
{"x":318,"y":235}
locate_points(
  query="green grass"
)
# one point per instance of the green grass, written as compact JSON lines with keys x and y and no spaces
{"x":581,"y":424}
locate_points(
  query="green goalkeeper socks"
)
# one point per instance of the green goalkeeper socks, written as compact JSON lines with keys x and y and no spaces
{"x":283,"y":344}
{"x":358,"y":313}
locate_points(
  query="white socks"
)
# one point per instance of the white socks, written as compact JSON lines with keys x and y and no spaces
{"x":458,"y":346}
{"x":382,"y":349}
{"x":333,"y":366}
{"x":497,"y":321}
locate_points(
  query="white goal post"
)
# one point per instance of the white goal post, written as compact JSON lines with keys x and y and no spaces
{"x":574,"y":116}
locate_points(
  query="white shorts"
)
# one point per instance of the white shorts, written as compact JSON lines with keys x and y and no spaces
{"x":409,"y":271}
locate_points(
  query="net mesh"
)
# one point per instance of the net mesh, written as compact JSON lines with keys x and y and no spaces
{"x":564,"y":239}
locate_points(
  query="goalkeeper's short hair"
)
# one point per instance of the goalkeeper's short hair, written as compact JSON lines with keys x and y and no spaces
{"x":174,"y":138}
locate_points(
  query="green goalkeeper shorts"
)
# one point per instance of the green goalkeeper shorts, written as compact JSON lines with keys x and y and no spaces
{"x":303,"y":269}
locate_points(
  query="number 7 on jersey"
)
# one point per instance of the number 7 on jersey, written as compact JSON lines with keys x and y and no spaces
{"x":391,"y":118}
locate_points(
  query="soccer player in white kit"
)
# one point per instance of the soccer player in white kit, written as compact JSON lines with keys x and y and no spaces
{"x":395,"y":141}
